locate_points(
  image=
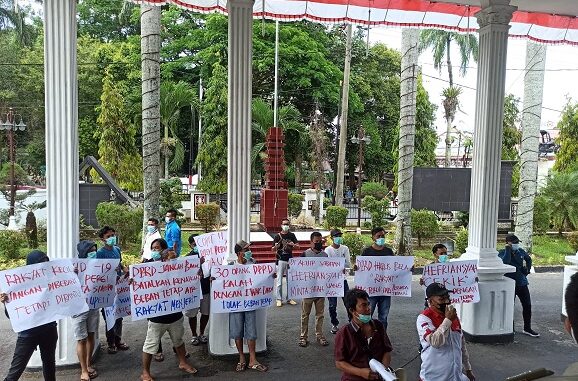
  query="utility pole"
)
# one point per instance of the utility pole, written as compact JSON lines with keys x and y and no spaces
{"x":343,"y":122}
{"x":360,"y":139}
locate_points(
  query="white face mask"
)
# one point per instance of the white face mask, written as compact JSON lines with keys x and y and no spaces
{"x":515,"y":246}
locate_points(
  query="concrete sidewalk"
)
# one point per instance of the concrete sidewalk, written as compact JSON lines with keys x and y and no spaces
{"x":287,"y":361}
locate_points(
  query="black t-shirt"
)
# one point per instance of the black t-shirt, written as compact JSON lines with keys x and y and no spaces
{"x":205,"y":282}
{"x":284,"y":251}
{"x":167,"y":319}
{"x":369,"y":251}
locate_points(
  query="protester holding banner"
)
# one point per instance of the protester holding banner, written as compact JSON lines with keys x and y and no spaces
{"x":377,"y":249}
{"x":440,"y":253}
{"x":243,"y":325}
{"x":110,"y":250}
{"x":173,"y":231}
{"x":337,"y":250}
{"x":44,"y":337}
{"x":315,"y":251}
{"x":157,"y":326}
{"x":205,"y":307}
{"x":360,"y":341}
{"x":284,"y":243}
{"x":444,"y":355}
{"x":152,"y":233}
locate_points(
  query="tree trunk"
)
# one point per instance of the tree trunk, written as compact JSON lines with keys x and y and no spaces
{"x":408,"y":91}
{"x":150,"y":66}
{"x":298,"y":171}
{"x":343,"y":122}
{"x":448,"y":156}
{"x":531,"y":115}
{"x":449,"y":61}
{"x":166,"y":171}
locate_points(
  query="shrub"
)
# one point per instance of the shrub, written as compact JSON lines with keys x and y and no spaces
{"x":171,"y":190}
{"x":10,"y":243}
{"x":208,"y":215}
{"x":573,"y":240}
{"x":461,"y":242}
{"x":541,"y":215}
{"x":125,"y":220}
{"x":424,"y":224}
{"x":378,"y":209}
{"x":336,"y":216}
{"x":377,"y":190}
{"x":463,"y":218}
{"x":31,"y":230}
{"x":356,"y":243}
{"x":295,"y":204}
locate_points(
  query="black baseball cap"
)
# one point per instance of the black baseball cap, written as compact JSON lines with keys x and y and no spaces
{"x":335,"y":232}
{"x":241,"y":245}
{"x":511,"y":238}
{"x":436,"y":289}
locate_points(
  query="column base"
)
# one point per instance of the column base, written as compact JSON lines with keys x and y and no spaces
{"x":221,"y":345}
{"x":490,"y":339}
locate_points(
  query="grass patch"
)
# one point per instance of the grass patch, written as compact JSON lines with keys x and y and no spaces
{"x":550,"y":250}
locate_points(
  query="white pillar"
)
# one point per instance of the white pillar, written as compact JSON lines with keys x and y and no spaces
{"x":490,"y":320}
{"x":240,"y":54}
{"x":61,"y":114}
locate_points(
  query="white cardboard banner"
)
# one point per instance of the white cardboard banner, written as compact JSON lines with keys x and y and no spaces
{"x":238,"y":288}
{"x":162,"y":288}
{"x":311,"y":277}
{"x":459,"y":277}
{"x":121,"y":306}
{"x":384,"y":275}
{"x":42,"y":293}
{"x":97,"y":280}
{"x":213,"y":247}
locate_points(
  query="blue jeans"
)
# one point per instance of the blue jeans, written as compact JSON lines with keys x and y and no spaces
{"x":382,"y":303}
{"x":333,"y":305}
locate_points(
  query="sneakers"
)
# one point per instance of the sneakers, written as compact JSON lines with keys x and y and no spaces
{"x":279,"y":303}
{"x":530,"y":332}
{"x":334,"y":329}
{"x":292,"y":302}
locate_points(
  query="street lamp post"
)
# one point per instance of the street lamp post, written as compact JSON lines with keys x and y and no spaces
{"x":9,"y":124}
{"x":360,"y":139}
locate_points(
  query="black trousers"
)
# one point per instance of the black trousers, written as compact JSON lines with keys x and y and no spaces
{"x":523,"y":293}
{"x":26,"y":345}
{"x":113,"y":335}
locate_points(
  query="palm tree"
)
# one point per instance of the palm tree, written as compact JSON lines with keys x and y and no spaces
{"x":174,"y":96}
{"x":560,"y":192}
{"x":440,"y":41}
{"x":11,"y":17}
{"x":150,"y":66}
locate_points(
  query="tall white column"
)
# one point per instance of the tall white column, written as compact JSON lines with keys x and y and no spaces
{"x":491,"y":319}
{"x":240,"y":54}
{"x":61,"y":119}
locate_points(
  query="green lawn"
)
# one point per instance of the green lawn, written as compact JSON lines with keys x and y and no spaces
{"x":550,"y":250}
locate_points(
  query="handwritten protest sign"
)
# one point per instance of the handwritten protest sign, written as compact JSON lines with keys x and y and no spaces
{"x":239,"y":288}
{"x":459,"y":277}
{"x":213,"y":247}
{"x":42,"y":293}
{"x":97,"y":280}
{"x":162,"y":288}
{"x":315,"y":277}
{"x":121,"y":306}
{"x":387,"y":275}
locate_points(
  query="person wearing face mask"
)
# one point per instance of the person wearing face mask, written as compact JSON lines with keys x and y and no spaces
{"x":316,"y":251}
{"x":205,"y":307}
{"x":514,"y":255}
{"x":360,"y":341}
{"x":152,"y":233}
{"x":440,"y":253}
{"x":110,"y":250}
{"x":337,"y":250}
{"x":283,"y":244}
{"x":173,"y":231}
{"x":444,"y":355}
{"x":378,"y":248}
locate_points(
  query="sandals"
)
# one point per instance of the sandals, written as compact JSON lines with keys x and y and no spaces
{"x":241,"y":366}
{"x":258,"y":367}
{"x":303,"y":342}
{"x":111,"y":350}
{"x":92,"y":374}
{"x":323,"y":341}
{"x":195,"y":340}
{"x":204,"y":339}
{"x":159,"y":357}
{"x":122,"y":347}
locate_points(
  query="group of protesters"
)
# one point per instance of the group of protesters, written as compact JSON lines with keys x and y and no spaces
{"x":443,"y":350}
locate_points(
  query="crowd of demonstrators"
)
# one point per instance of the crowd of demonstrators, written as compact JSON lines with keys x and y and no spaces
{"x":337,"y":250}
{"x":514,"y":255}
{"x":283,"y":244}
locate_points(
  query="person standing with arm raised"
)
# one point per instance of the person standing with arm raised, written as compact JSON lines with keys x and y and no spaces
{"x":284,"y":243}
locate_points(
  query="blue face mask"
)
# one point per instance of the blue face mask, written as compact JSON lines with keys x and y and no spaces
{"x":443,"y":258}
{"x":156,"y":255}
{"x":91,"y":255}
{"x":111,"y":241}
{"x":364,"y":318}
{"x":380,"y":241}
{"x":248,"y":255}
{"x":338,"y":240}
{"x":151,"y":229}
{"x":196,"y":250}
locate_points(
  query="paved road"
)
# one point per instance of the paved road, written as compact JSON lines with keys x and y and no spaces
{"x":553,"y":350}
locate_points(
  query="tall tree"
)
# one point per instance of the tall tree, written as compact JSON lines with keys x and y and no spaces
{"x":440,"y":42}
{"x":14,"y":17}
{"x":566,"y":159}
{"x":150,"y":66}
{"x":406,"y":142}
{"x":531,"y":117}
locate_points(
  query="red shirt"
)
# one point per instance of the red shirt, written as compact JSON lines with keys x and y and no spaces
{"x":352,"y":346}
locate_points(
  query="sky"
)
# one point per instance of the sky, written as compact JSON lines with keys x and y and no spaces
{"x":560,"y":82}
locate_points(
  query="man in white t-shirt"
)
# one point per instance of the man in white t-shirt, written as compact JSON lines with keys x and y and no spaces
{"x":337,"y":250}
{"x":151,"y":234}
